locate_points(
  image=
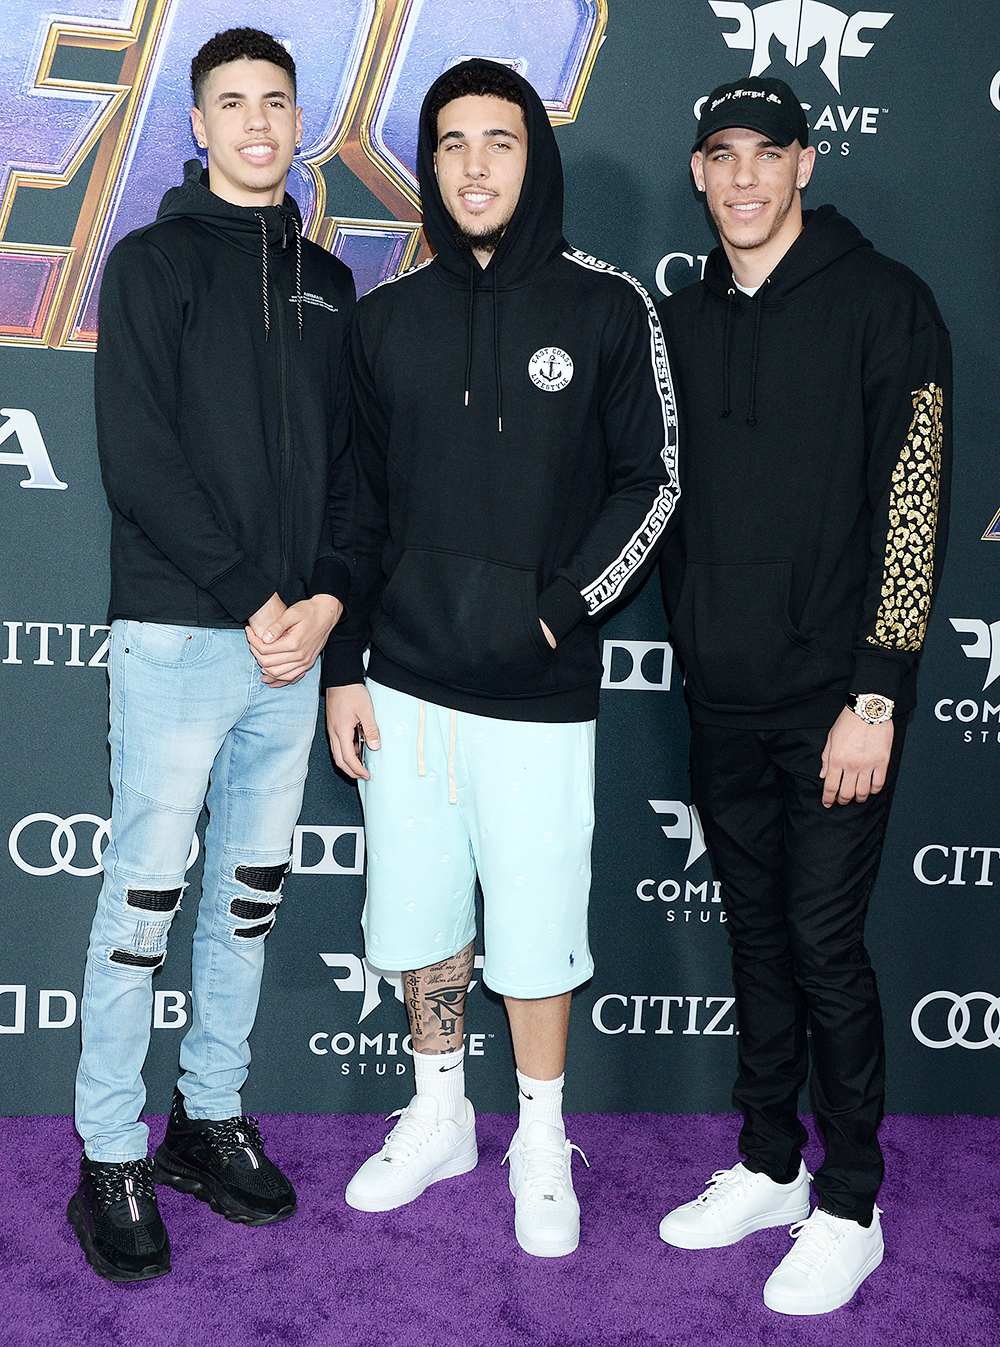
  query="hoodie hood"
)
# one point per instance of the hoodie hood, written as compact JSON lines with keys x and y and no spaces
{"x":534,"y":233}
{"x":253,"y":229}
{"x":826,"y":236}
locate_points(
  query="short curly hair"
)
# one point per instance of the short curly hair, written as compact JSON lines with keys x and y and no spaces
{"x":237,"y":44}
{"x":479,"y":81}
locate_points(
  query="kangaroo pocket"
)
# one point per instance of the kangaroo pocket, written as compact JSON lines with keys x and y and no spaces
{"x":734,"y":633}
{"x":465,"y":622}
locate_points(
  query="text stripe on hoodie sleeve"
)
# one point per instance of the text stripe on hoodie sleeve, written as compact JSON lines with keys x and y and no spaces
{"x":609,"y":584}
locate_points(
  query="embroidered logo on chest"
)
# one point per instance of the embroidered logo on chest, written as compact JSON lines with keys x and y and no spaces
{"x":550,"y":369}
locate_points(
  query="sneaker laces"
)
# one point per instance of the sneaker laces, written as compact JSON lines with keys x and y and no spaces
{"x":407,"y":1136}
{"x":723,"y":1186}
{"x":546,"y":1166}
{"x":817,"y":1238}
{"x":129,"y":1182}
{"x":236,"y":1136}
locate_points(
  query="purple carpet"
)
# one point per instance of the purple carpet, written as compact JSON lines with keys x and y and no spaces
{"x":446,"y":1272}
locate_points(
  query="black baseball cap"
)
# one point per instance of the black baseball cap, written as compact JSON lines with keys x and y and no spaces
{"x":767,"y":106}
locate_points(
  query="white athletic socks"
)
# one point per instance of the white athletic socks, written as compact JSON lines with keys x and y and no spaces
{"x":540,"y":1101}
{"x":443,"y":1076}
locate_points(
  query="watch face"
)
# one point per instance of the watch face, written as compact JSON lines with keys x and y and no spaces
{"x":873,"y":708}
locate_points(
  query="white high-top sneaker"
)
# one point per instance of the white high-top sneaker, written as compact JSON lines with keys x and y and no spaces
{"x":420,"y":1150}
{"x":736,"y":1203}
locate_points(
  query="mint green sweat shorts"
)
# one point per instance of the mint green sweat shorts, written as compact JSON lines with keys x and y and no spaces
{"x":453,"y":795}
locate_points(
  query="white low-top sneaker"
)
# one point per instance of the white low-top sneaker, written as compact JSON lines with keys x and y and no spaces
{"x":831,"y":1258}
{"x":546,"y":1212}
{"x":736,"y":1203}
{"x":420,"y":1150}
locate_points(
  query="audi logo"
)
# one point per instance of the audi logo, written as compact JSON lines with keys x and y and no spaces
{"x":960,"y":1020}
{"x":63,"y":844}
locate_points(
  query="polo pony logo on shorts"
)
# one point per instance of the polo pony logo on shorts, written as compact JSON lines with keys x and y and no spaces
{"x":799,"y":25}
{"x":550,"y":369}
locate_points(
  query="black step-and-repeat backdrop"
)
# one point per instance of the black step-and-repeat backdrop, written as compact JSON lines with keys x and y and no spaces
{"x":904,"y":106}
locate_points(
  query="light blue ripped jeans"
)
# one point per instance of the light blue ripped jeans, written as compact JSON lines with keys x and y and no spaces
{"x":191,"y":722}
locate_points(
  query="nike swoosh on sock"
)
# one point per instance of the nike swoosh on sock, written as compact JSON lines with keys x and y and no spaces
{"x":443,"y":1069}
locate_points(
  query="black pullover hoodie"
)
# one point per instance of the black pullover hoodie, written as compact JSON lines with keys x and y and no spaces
{"x":817,"y":448}
{"x":515,"y":435}
{"x":222,"y":412}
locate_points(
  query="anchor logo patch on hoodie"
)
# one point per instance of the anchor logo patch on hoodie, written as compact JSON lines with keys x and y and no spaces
{"x":550,"y":369}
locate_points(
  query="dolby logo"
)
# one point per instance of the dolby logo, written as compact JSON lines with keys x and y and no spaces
{"x":637,"y":666}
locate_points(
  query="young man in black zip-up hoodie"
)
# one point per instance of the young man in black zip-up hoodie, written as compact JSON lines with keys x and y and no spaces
{"x":814,"y":380}
{"x":516,"y":435}
{"x":222,"y":414}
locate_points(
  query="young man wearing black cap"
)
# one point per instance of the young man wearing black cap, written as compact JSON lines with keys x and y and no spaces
{"x":504,"y":504}
{"x":814,"y":386}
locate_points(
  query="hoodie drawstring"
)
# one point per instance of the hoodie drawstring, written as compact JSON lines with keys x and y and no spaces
{"x":468,"y":347}
{"x":725,"y":352}
{"x":751,"y":419}
{"x":496,"y":345}
{"x":296,"y":230}
{"x":263,"y":273}
{"x":496,"y":355}
{"x":298,"y":270}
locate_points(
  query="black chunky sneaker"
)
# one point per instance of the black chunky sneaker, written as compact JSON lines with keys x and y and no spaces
{"x":223,"y":1164}
{"x":117,"y":1221}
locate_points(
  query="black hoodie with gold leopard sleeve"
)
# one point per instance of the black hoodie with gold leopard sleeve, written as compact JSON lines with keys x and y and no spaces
{"x":516,"y":442}
{"x":817,"y":449}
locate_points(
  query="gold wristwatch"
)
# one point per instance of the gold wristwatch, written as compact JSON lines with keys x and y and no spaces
{"x":872,"y":707}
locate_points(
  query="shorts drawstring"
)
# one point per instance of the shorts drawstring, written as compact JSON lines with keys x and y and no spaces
{"x":452,"y":736}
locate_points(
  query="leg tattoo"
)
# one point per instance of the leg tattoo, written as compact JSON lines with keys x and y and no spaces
{"x":435,"y":1003}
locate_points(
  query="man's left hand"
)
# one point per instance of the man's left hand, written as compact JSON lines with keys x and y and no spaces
{"x":293,"y":642}
{"x":855,"y":759}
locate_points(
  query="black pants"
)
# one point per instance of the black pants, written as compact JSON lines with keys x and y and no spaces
{"x":796,"y":879}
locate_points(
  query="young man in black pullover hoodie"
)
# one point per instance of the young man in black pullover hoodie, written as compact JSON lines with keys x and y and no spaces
{"x":814,"y":381}
{"x":515,"y":433}
{"x":221,"y":418}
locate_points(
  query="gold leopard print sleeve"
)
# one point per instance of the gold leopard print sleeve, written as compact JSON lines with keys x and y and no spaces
{"x":913,"y":512}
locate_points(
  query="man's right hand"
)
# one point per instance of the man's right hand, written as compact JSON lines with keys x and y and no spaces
{"x":346,"y":709}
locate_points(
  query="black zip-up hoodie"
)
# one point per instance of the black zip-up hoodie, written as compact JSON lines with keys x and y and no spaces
{"x":516,"y":434}
{"x":222,"y":412}
{"x":817,"y":449}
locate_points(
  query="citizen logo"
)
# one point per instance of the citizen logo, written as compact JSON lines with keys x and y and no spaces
{"x":683,"y":268}
{"x":707,"y":1016}
{"x":684,"y":823}
{"x":637,"y":666}
{"x":22,"y":426}
{"x":799,"y":26}
{"x":955,"y":1029}
{"x":957,"y":866}
{"x":71,"y":645}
